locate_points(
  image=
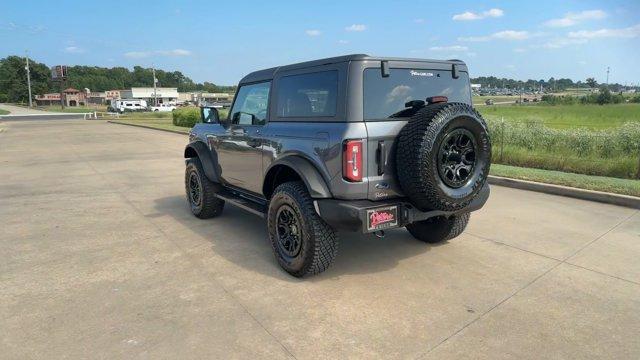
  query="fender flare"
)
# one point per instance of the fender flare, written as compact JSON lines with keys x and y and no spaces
{"x":315,"y":183}
{"x":208,"y":158}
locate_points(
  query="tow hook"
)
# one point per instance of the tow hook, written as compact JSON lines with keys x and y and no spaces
{"x":379,"y":234}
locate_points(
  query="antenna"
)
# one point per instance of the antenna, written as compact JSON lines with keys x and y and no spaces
{"x":607,"y":76}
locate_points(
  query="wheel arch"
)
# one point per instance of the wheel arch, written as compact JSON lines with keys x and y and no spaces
{"x":208,"y":159}
{"x":293,"y":168}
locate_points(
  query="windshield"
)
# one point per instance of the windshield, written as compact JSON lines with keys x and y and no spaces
{"x":385,"y":97}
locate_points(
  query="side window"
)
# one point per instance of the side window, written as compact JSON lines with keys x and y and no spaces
{"x":252,"y":102}
{"x":308,"y":95}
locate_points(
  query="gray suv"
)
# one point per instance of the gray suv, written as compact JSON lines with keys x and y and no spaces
{"x":351,"y":143}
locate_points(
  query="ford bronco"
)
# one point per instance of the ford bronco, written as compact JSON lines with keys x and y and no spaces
{"x":350,"y":143}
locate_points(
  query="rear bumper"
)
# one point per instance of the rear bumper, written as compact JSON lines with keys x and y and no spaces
{"x":356,"y":215}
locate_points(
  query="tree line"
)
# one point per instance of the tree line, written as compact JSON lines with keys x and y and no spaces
{"x":13,"y":79}
{"x":550,"y":84}
{"x":13,"y":84}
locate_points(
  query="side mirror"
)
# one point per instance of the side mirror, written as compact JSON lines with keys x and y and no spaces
{"x":209,"y":115}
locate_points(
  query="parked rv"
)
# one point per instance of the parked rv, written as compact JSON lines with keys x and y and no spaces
{"x":128,"y":105}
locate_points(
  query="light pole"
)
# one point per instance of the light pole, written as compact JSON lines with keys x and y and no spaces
{"x":28,"y":78}
{"x":155,"y":94}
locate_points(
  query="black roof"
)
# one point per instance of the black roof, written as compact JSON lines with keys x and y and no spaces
{"x":267,"y":74}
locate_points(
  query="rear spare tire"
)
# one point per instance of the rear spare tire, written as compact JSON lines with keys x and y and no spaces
{"x":443,"y":156}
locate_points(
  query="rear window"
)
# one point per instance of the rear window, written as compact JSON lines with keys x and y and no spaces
{"x":385,"y":97}
{"x":308,"y":95}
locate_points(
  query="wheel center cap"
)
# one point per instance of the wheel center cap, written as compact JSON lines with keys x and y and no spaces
{"x":455,"y":156}
{"x":294,"y":230}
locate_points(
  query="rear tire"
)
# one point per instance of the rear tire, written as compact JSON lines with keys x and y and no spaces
{"x":302,"y":242}
{"x":439,"y":228}
{"x":201,"y":191}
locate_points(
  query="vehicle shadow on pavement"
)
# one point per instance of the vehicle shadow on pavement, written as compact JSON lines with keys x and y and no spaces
{"x":242,"y":239}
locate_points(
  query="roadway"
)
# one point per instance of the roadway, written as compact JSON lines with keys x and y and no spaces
{"x":102,"y":259}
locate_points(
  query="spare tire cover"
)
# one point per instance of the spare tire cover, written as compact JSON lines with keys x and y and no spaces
{"x":443,"y":156}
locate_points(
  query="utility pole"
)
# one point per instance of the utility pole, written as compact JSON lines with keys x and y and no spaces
{"x":28,"y":77}
{"x":155,"y":94}
{"x":607,"y":76}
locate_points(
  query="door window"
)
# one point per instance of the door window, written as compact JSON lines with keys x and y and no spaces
{"x":252,"y":102}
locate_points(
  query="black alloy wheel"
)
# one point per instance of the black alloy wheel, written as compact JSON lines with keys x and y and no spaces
{"x":457,"y":157}
{"x":195,"y":190}
{"x":289,"y":231}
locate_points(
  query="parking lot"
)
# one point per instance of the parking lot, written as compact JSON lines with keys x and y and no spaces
{"x":102,"y":259}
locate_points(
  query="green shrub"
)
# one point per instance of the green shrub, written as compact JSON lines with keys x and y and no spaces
{"x":186,"y":117}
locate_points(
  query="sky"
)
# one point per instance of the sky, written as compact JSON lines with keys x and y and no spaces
{"x":220,"y":42}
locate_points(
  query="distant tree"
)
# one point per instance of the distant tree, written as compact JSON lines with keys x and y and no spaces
{"x":591,"y":82}
{"x":13,"y":79}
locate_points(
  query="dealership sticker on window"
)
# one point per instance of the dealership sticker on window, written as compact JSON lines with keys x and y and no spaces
{"x":382,"y":218}
{"x":420,"y":73}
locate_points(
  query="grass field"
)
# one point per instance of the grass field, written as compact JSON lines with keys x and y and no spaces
{"x":598,"y":183}
{"x":4,"y":112}
{"x":74,"y":109}
{"x":566,"y":116}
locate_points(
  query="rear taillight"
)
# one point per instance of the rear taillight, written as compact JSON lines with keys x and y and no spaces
{"x":352,"y":160}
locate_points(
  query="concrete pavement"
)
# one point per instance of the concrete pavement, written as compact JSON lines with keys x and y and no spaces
{"x":102,"y":259}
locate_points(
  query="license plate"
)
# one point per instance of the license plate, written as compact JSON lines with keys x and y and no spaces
{"x":382,"y":218}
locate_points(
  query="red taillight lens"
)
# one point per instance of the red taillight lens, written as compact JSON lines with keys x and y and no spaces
{"x":352,"y":160}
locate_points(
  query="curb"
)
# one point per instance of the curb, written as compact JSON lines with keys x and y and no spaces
{"x":148,"y":127}
{"x":591,"y":195}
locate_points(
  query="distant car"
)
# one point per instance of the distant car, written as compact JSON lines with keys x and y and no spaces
{"x":525,"y":100}
{"x":535,"y":99}
{"x":163,"y":108}
{"x":488,"y":102}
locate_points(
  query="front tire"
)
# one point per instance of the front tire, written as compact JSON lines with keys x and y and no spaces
{"x":201,"y":191}
{"x":439,"y":228}
{"x":302,"y":242}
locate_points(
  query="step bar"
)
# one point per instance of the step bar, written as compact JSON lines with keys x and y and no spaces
{"x":236,"y":199}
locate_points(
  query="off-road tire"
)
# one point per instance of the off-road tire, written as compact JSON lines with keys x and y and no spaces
{"x":418,"y":150}
{"x":440,"y":228}
{"x":209,"y":205}
{"x":319,"y":242}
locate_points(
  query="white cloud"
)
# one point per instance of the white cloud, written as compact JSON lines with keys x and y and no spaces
{"x":511,"y":35}
{"x":137,"y":54}
{"x":520,"y":50}
{"x":500,"y":35}
{"x":557,"y":43}
{"x":356,"y":27}
{"x":418,"y":21}
{"x":343,"y":42}
{"x":449,"y":48}
{"x":73,"y":50}
{"x":313,"y":32}
{"x":571,"y":19}
{"x":629,"y":32}
{"x":174,"y":52}
{"x":468,"y":15}
{"x":144,"y":54}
